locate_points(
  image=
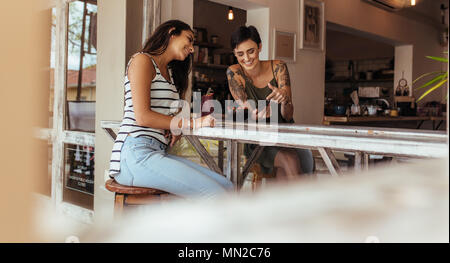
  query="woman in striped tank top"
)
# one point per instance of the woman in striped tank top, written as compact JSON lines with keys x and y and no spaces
{"x":156,"y":78}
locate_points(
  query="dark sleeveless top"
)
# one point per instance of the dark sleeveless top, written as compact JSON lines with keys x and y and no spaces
{"x":255,"y":94}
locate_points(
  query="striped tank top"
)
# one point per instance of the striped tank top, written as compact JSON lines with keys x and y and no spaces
{"x":162,"y":94}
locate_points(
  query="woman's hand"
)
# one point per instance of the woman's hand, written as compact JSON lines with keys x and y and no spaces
{"x":278,"y":95}
{"x":264,"y":114}
{"x":172,"y":138}
{"x":205,"y":121}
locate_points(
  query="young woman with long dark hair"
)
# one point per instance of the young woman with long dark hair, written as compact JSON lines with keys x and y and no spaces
{"x":155,"y":78}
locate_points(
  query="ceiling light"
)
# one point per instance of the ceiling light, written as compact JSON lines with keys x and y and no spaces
{"x":230,"y":13}
{"x":413,"y":2}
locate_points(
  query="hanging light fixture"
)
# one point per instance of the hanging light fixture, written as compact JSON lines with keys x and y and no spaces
{"x":230,"y":13}
{"x":413,"y":2}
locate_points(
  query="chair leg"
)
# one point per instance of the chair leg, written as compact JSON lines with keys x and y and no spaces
{"x":254,"y":182}
{"x":119,"y":202}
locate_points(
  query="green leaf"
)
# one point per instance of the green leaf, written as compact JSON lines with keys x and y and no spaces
{"x":438,"y":59}
{"x":428,"y":74}
{"x":431,"y":89}
{"x":433,"y":81}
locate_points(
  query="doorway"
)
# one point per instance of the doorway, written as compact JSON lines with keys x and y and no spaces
{"x":357,"y":62}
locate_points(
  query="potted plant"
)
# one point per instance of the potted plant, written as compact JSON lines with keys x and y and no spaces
{"x":438,"y":78}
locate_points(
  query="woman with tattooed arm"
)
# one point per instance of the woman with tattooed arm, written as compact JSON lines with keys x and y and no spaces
{"x":252,"y":80}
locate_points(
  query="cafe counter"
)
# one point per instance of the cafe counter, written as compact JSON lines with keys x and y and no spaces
{"x":354,"y":120}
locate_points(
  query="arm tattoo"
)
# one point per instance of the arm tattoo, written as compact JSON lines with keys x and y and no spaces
{"x":283,"y":72}
{"x":236,"y":88}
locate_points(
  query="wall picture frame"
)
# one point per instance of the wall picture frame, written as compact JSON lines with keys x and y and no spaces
{"x":312,"y":25}
{"x":285,"y":45}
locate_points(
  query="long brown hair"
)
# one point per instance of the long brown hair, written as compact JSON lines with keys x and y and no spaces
{"x":158,"y":43}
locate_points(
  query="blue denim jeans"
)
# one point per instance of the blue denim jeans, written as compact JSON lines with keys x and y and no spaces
{"x":145,"y":163}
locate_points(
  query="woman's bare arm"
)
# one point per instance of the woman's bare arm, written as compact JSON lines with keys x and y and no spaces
{"x":236,"y":85}
{"x":141,"y":73}
{"x":237,"y":89}
{"x":284,"y":84}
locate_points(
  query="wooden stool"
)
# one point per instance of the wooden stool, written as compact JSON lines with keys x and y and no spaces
{"x":258,"y":176}
{"x":129,"y":195}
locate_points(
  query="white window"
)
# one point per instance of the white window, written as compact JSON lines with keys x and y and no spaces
{"x":70,"y":132}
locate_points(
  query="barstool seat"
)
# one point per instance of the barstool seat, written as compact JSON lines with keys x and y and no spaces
{"x":130,"y":195}
{"x":115,"y":187}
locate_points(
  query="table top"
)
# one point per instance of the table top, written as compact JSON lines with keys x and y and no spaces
{"x":378,"y":118}
{"x":387,"y":141}
{"x":398,"y":142}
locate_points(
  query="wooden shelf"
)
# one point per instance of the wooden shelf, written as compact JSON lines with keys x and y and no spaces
{"x":359,"y":81}
{"x":345,"y":119}
{"x":210,"y":66}
{"x":207,"y":44}
{"x":203,"y":83}
{"x":404,"y":99}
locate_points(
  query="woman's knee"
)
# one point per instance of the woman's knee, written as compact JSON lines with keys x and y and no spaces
{"x":180,"y":177}
{"x":209,"y":189}
{"x":287,"y":157}
{"x":223,"y":181}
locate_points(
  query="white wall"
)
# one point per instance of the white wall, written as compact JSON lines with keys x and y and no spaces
{"x":111,"y":57}
{"x":178,"y":9}
{"x":260,"y":18}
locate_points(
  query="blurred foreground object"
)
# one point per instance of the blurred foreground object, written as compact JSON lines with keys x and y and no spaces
{"x":23,"y":94}
{"x":403,"y":203}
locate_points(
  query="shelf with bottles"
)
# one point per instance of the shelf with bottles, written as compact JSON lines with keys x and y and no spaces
{"x":204,"y":57}
{"x":211,"y":79}
{"x":209,"y":83}
{"x":359,"y":80}
{"x":210,"y":86}
{"x":359,"y":70}
{"x":217,"y":61}
{"x":220,"y":93}
{"x":375,"y":92}
{"x":366,"y":91}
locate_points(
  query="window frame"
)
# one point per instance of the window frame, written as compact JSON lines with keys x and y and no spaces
{"x":57,"y":134}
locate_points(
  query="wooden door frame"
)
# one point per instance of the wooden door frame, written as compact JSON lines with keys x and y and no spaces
{"x":57,"y":135}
